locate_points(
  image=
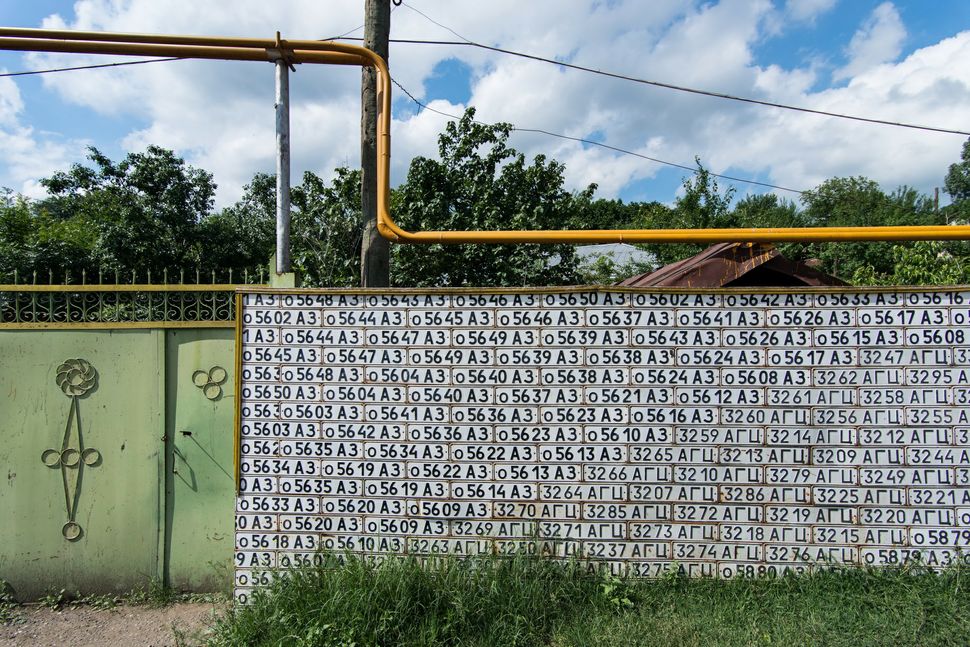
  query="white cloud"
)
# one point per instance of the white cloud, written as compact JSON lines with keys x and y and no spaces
{"x":220,"y":115}
{"x":808,"y":10}
{"x":10,"y":101}
{"x":26,"y":155}
{"x":879,"y":40}
{"x":929,"y":86}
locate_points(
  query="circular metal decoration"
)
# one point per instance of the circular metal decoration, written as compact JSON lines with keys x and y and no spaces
{"x":70,"y":457}
{"x":71,"y":531}
{"x":211,"y":381}
{"x":76,"y":377}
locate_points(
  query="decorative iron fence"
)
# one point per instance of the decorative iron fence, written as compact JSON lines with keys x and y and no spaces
{"x":121,"y":305}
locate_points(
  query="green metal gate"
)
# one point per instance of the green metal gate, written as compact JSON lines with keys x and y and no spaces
{"x":200,"y":488}
{"x":116,"y":440}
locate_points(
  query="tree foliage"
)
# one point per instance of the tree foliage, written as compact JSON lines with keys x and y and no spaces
{"x":140,"y":214}
{"x":859,"y":202}
{"x":480,"y":183}
{"x":926,"y":262}
{"x":327,"y":229}
{"x":243,"y":235}
{"x":606,"y":270}
{"x":957,"y":180}
{"x":151,"y":212}
{"x":957,"y":186}
{"x":324,"y":226}
{"x":702,"y":205}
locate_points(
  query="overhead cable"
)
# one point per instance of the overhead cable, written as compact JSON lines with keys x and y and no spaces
{"x":600,"y":144}
{"x":465,"y":42}
{"x":396,"y":4}
{"x":90,"y":67}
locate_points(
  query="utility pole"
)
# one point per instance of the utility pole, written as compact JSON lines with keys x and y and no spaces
{"x":375,"y":252}
{"x":282,"y":162}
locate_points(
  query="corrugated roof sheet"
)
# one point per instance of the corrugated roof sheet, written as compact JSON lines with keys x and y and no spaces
{"x":734,"y":264}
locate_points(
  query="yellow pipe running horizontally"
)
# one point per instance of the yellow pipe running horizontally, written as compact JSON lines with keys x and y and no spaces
{"x":325,"y":52}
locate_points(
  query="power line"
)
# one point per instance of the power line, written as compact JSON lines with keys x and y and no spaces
{"x":465,"y":42}
{"x":395,"y":5}
{"x":445,"y":27}
{"x":345,"y":34}
{"x":444,"y":114}
{"x":601,"y":145}
{"x":90,"y":67}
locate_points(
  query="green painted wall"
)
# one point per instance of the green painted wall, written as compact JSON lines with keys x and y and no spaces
{"x":137,"y":519}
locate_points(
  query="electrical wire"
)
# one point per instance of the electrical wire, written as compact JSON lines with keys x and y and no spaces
{"x":466,"y":42}
{"x":432,"y":20}
{"x":660,"y":84}
{"x":601,"y":145}
{"x":427,"y":107}
{"x":344,"y":35}
{"x":396,"y":4}
{"x":90,"y":67}
{"x":623,"y":77}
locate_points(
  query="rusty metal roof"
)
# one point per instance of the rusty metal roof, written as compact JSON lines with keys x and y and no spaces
{"x":734,"y":265}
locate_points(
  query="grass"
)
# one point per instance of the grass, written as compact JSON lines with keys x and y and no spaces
{"x":158,"y":595}
{"x":852,"y":606}
{"x":9,"y":609}
{"x":353,"y":601}
{"x":154,"y":595}
{"x":532,"y":601}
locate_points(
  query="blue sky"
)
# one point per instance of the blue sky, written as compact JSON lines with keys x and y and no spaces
{"x":901,"y":60}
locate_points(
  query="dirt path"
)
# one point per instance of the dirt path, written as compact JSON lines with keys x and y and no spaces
{"x":175,"y":625}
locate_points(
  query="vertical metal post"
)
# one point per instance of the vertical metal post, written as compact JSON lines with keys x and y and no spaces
{"x":282,"y":166}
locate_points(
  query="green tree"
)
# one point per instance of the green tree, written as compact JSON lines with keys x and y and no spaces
{"x":141,"y":214}
{"x":766,"y":210}
{"x":15,"y":236}
{"x":926,"y":262}
{"x":41,"y":244}
{"x":603,"y":214}
{"x":858,"y":201}
{"x":605,"y":270}
{"x":957,"y":181}
{"x":611,"y":214}
{"x":243,"y":236}
{"x":701,"y":206}
{"x":326,"y":229}
{"x":479,"y":183}
{"x":957,"y":186}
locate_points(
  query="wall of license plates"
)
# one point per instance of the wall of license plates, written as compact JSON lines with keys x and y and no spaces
{"x":718,"y":433}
